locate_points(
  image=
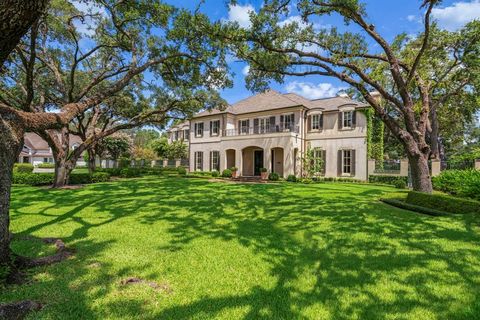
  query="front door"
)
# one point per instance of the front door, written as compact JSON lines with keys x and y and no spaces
{"x":258,"y":161}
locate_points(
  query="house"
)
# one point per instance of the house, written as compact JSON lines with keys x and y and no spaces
{"x":273,"y":130}
{"x":36,"y":150}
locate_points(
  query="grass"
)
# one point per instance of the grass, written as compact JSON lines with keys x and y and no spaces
{"x":245,"y":251}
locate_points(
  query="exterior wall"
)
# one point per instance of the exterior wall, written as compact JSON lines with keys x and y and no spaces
{"x":330,"y":127}
{"x":206,"y":148}
{"x":359,"y":144}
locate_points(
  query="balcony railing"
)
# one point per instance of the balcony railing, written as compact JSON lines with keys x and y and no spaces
{"x":245,"y":131}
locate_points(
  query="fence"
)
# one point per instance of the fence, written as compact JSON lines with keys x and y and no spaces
{"x":394,"y":168}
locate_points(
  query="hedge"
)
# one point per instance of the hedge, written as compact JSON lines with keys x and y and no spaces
{"x":386,"y":179}
{"x":462,"y":183}
{"x":23,"y":167}
{"x":46,"y":165}
{"x":41,"y":179}
{"x":443,"y":202}
{"x":407,"y":206}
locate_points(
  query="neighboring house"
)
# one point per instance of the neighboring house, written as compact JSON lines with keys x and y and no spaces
{"x":36,"y":150}
{"x":273,"y":130}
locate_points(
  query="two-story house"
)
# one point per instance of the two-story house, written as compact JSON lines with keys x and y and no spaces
{"x":273,"y":131}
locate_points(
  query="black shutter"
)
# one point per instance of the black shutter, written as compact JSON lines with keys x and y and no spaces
{"x":239,"y":127}
{"x":340,"y":122}
{"x":354,"y":118}
{"x":282,"y":123}
{"x":248,"y":126}
{"x":255,"y":126}
{"x":211,"y":126}
{"x":339,"y":163}
{"x":210,"y":160}
{"x":272,"y":124}
{"x":309,"y":123}
{"x":324,"y":161}
{"x":195,"y":133}
{"x":352,"y":164}
{"x":293,"y":123}
{"x":202,"y":127}
{"x":321,"y":121}
{"x":201,"y":161}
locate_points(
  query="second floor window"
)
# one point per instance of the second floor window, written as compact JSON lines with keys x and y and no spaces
{"x":316,"y":122}
{"x":199,"y":129}
{"x":347,"y":119}
{"x":176,"y":135}
{"x":244,"y":124}
{"x":214,"y":127}
{"x":288,"y":121}
{"x":186,"y":134}
{"x":264,"y":125}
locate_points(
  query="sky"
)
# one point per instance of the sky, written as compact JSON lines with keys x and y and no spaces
{"x":391,"y":17}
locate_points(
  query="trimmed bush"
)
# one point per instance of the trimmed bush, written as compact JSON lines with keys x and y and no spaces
{"x":442,"y":202}
{"x":215,"y":173}
{"x":386,"y":179}
{"x":407,"y":206}
{"x":291,"y":178}
{"x":181,"y":171}
{"x":273,"y":176}
{"x":462,"y":183}
{"x":400,"y":184}
{"x":130,"y":173}
{"x":99,"y":177}
{"x":23,"y":167}
{"x":263,"y":170}
{"x":227,"y":173}
{"x":46,"y":165}
{"x":33,"y":179}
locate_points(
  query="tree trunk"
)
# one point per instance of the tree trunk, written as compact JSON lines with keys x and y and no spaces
{"x":421,"y":179}
{"x":91,"y":161}
{"x":434,"y":135}
{"x":17,"y":18}
{"x":11,"y":144}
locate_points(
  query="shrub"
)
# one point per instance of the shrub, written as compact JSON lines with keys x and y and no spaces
{"x":407,"y":206}
{"x":33,"y":179}
{"x":463,"y":183}
{"x":292,"y":178}
{"x":46,"y":165}
{"x":386,"y":179}
{"x":99,"y":177}
{"x":23,"y":167}
{"x":443,"y":202}
{"x":227,"y":173}
{"x":80,"y":178}
{"x":305,"y":180}
{"x":215,"y":173}
{"x":400,"y":184}
{"x":181,"y":171}
{"x":273,"y":176}
{"x":114,"y":172}
{"x":263,"y":170}
{"x":234,"y":169}
{"x":130,"y":173}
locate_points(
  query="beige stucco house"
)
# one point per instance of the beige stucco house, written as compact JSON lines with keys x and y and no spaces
{"x":273,"y":130}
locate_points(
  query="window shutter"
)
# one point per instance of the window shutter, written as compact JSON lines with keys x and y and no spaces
{"x":339,"y":163}
{"x":321,"y":121}
{"x":196,"y":126}
{"x":248,"y":126}
{"x":309,"y":123}
{"x":201,"y":161}
{"x":211,"y":127}
{"x":239,"y":126}
{"x":255,"y":125}
{"x":293,"y":122}
{"x":282,"y":123}
{"x":272,"y":124}
{"x":324,"y":160}
{"x":354,"y":118}
{"x":340,"y":122}
{"x":211,"y":158}
{"x":352,"y":164}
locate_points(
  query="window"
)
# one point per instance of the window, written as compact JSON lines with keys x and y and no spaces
{"x":186,"y":134}
{"x":199,"y":129}
{"x":45,"y":160}
{"x":318,"y":160}
{"x":316,"y":122}
{"x":214,"y":127}
{"x":347,"y":119}
{"x":175,"y":135}
{"x":264,"y":125}
{"x":214,"y":160}
{"x":347,"y":162}
{"x":198,"y":161}
{"x":288,"y":122}
{"x":244,"y":126}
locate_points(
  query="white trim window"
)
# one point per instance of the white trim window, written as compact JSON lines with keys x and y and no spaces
{"x":347,"y":119}
{"x":175,"y":135}
{"x":347,"y":162}
{"x":186,"y":134}
{"x":318,"y":159}
{"x":264,"y":125}
{"x":199,"y":129}
{"x":214,"y":160}
{"x":288,"y":122}
{"x":198,"y":161}
{"x":244,"y":126}
{"x":316,"y":122}
{"x":215,"y":127}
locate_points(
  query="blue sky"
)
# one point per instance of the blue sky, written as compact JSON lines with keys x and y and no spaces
{"x":390,"y":17}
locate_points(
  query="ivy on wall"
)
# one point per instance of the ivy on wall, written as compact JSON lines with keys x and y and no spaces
{"x":375,"y":131}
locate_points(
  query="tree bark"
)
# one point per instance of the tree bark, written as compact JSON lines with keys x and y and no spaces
{"x":420,"y":173}
{"x":434,"y":134}
{"x":11,"y":144}
{"x":17,"y":18}
{"x":91,"y":161}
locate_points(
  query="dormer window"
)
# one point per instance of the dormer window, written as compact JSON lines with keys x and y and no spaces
{"x":347,"y":119}
{"x":316,"y":122}
{"x":175,"y":135}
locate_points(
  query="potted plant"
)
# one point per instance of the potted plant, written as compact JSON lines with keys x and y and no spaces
{"x":234,"y":172}
{"x":263,"y":173}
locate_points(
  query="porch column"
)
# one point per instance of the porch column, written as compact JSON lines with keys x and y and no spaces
{"x":223,"y":160}
{"x":267,"y":159}
{"x":287,"y":162}
{"x":238,"y":160}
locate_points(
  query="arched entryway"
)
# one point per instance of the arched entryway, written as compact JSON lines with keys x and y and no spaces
{"x":252,"y":161}
{"x":230,"y":158}
{"x":277,"y":158}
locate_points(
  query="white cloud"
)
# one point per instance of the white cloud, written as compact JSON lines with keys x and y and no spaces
{"x":414,"y":18}
{"x":246,"y":70}
{"x":313,"y":91}
{"x":457,"y":15}
{"x":241,"y":14}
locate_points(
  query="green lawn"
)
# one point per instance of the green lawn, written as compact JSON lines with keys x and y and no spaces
{"x":245,"y":251}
